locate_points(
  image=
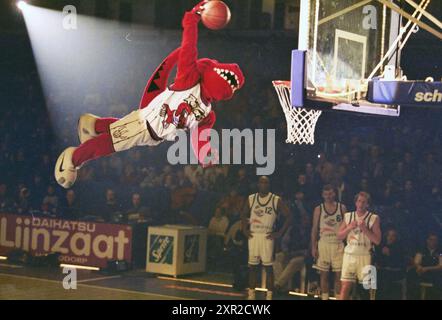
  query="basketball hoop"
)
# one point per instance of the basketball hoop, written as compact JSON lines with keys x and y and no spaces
{"x":301,"y":122}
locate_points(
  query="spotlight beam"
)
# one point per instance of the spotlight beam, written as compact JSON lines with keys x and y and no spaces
{"x":21,"y":5}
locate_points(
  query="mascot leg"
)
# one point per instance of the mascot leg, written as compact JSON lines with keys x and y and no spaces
{"x":71,"y":159}
{"x":94,"y":148}
{"x":102,"y":124}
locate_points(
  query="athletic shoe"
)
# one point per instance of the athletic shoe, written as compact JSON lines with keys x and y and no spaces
{"x":65,"y":171}
{"x":86,"y":127}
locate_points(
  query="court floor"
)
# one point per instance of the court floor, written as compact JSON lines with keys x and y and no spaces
{"x":19,"y":282}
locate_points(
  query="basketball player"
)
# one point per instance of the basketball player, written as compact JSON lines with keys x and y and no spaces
{"x":258,"y":220}
{"x":362,"y":230}
{"x":329,"y":250}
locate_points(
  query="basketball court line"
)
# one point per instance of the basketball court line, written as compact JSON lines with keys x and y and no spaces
{"x":12,"y":266}
{"x":217,"y":284}
{"x":200,"y":290}
{"x":149,"y":295}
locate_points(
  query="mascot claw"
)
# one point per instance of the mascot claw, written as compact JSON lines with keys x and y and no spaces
{"x":199,"y":8}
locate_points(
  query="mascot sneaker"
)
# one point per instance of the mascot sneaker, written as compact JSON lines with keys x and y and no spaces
{"x":65,"y":171}
{"x":86,"y":127}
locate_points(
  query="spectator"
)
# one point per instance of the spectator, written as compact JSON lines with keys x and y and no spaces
{"x":112,"y":208}
{"x":241,"y":183}
{"x":192,"y":173}
{"x":130,"y":176}
{"x":387,"y":195}
{"x":233,"y":203}
{"x":354,"y":167}
{"x":237,"y":255}
{"x":344,"y":191}
{"x":408,"y":197}
{"x":51,"y":198}
{"x":373,"y":159}
{"x":169,"y":182}
{"x":24,"y":205}
{"x":429,"y":171}
{"x":364,"y":185}
{"x":312,"y":178}
{"x":428,"y":267}
{"x":399,"y":174}
{"x":291,"y":258}
{"x":409,"y":165}
{"x":6,"y":203}
{"x":298,"y":204}
{"x":149,"y":178}
{"x":391,"y":262}
{"x":182,"y":180}
{"x":219,"y":223}
{"x":218,"y":226}
{"x":105,"y":172}
{"x":46,"y":209}
{"x":38,"y":188}
{"x":137,"y":212}
{"x":307,"y":190}
{"x":71,"y":208}
{"x":324,"y":168}
{"x":377,"y":174}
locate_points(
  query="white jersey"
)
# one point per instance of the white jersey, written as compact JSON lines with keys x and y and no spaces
{"x":329,"y":223}
{"x":263,"y":212}
{"x":357,"y":242}
{"x":172,"y":110}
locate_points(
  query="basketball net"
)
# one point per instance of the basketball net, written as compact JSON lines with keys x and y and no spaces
{"x":301,"y":122}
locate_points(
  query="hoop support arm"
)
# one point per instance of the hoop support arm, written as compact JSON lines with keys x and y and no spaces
{"x":409,"y":17}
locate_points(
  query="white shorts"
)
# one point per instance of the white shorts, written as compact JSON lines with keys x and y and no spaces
{"x":261,"y":250}
{"x":353,"y":267}
{"x":131,"y":131}
{"x":330,"y":256}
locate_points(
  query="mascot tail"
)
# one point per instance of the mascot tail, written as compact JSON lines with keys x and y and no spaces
{"x":158,"y":82}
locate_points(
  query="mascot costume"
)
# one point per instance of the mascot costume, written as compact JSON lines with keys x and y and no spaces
{"x":186,"y":105}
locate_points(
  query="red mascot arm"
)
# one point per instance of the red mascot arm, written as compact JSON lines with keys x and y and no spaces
{"x":186,"y":56}
{"x":187,"y":73}
{"x":200,"y":140}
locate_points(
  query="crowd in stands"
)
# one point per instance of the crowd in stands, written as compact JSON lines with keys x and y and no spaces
{"x":398,"y":161}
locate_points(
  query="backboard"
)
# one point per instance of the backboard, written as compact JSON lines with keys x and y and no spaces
{"x":344,"y":42}
{"x":348,"y":59}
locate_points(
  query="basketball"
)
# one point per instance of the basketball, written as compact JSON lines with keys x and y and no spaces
{"x":216,"y":15}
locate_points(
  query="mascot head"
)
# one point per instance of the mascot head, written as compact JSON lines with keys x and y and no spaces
{"x":219,"y":81}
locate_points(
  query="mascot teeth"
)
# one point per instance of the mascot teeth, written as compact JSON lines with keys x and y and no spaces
{"x":229,"y":76}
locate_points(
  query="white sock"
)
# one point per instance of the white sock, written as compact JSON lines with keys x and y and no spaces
{"x":324,"y":296}
{"x":251,"y":294}
{"x":269,"y":295}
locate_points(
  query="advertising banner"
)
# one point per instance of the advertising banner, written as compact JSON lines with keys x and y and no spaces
{"x":78,"y":242}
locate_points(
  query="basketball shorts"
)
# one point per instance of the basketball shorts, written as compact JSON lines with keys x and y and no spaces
{"x":355,"y":268}
{"x":131,"y":131}
{"x":261,"y":250}
{"x":330,"y":256}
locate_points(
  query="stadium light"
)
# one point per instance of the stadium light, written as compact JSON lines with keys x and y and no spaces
{"x":21,"y":5}
{"x":63,"y":265}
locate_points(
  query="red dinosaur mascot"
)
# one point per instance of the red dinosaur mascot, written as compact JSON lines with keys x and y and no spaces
{"x":186,"y":104}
